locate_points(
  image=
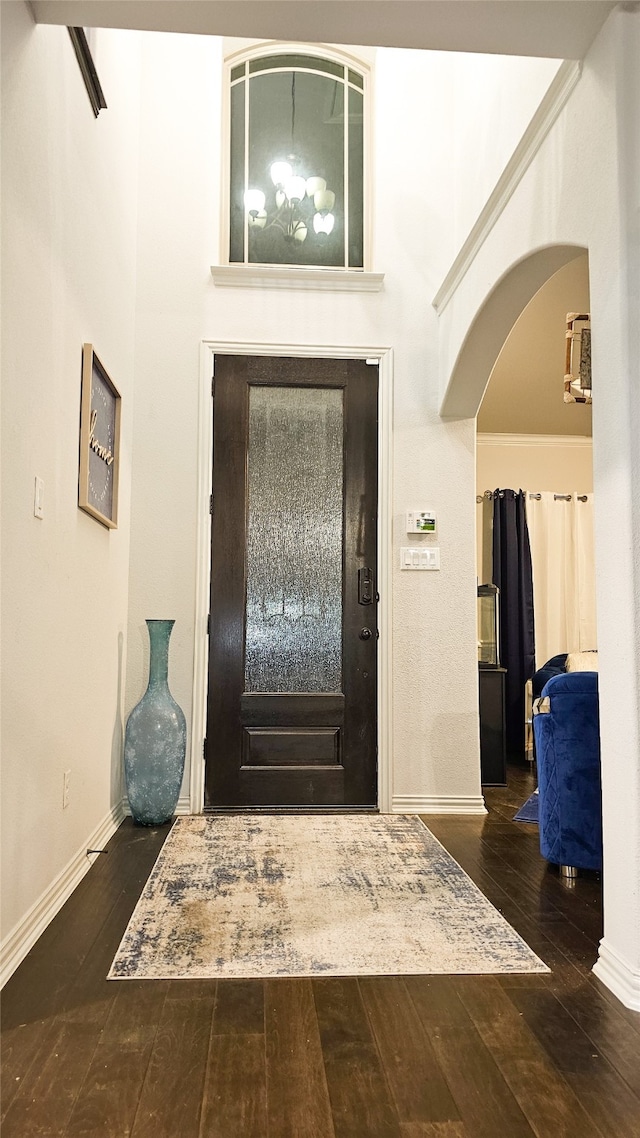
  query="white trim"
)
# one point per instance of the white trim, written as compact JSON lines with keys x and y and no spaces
{"x":618,"y":976}
{"x":24,"y":935}
{"x":544,"y":118}
{"x":364,"y":66}
{"x":384,"y":357}
{"x":254,"y":49}
{"x":438,"y":804}
{"x":297,"y":277}
{"x":385,"y":580}
{"x":203,"y":573}
{"x":511,"y":440}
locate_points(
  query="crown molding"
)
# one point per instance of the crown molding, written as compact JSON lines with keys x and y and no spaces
{"x":506,"y":439}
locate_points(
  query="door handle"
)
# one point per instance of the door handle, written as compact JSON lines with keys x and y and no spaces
{"x":365,"y":586}
{"x":365,"y":634}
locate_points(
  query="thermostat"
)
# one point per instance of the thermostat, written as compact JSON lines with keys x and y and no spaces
{"x":421,"y":521}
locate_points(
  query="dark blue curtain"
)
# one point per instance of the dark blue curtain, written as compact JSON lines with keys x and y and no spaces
{"x":512,"y":574}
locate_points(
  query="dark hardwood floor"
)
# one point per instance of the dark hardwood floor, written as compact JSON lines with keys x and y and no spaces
{"x":554,"y":1055}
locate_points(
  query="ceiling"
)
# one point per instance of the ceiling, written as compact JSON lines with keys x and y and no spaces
{"x":525,"y":392}
{"x":559,"y":29}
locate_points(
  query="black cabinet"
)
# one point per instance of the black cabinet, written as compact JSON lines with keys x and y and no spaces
{"x":493,"y":752}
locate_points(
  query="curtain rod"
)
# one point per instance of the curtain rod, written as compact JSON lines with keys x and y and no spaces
{"x":489,"y":494}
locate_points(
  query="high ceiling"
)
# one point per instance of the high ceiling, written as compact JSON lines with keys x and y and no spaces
{"x":524,"y":394}
{"x":559,"y":29}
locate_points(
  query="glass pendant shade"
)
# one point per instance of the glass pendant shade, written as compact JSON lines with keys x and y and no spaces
{"x":254,"y":201}
{"x":324,"y":200}
{"x":295,"y":188}
{"x":280,"y":172}
{"x":280,"y":199}
{"x":323,"y":223}
{"x":315,"y":185}
{"x":300,"y":233}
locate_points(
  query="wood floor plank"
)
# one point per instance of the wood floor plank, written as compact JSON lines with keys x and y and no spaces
{"x":564,"y":1041}
{"x":235,"y":1099}
{"x":548,"y":1102}
{"x":361,"y":1101}
{"x":418,"y":1086}
{"x":239,"y":1008}
{"x":297,"y":1094}
{"x":610,"y":1031}
{"x":171,"y":1098}
{"x":486,"y":1104}
{"x":21,"y":1045}
{"x":44,"y":1104}
{"x":108,"y":1099}
{"x":608,"y":1099}
{"x":434,"y":1130}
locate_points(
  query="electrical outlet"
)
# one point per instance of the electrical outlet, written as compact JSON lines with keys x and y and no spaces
{"x":66,"y":779}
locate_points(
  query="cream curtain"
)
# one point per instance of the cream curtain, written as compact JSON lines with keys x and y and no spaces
{"x":562,"y":553}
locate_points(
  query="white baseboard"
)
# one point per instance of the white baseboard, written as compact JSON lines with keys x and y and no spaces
{"x":24,"y":935}
{"x":618,"y":976}
{"x":435,"y":804}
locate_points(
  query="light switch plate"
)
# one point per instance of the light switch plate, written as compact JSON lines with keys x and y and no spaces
{"x":420,"y":557}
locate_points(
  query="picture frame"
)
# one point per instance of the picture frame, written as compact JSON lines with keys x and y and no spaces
{"x":99,"y":465}
{"x":577,"y":379}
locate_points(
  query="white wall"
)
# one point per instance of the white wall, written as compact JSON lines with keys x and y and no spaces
{"x":69,"y":214}
{"x":435,"y":746}
{"x":583,"y":189}
{"x":177,"y":241}
{"x":492,"y":100}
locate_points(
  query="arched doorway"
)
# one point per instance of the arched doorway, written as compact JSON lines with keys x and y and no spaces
{"x":493,"y":323}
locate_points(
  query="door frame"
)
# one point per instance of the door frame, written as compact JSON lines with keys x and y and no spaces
{"x":383,"y":357}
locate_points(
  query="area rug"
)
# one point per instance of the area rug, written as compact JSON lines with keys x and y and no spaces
{"x":331,"y":895}
{"x":529,"y":812}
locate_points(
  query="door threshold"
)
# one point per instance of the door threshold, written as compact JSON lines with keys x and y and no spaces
{"x":291,"y":810}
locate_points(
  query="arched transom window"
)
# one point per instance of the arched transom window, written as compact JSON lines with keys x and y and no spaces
{"x":297,"y":162}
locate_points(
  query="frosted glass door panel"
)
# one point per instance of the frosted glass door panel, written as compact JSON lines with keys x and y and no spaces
{"x":293,"y":639}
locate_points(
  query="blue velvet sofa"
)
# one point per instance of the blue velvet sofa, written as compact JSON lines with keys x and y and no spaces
{"x":567,"y":736}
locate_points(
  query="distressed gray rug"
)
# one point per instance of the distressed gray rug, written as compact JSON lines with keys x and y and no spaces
{"x":331,"y":895}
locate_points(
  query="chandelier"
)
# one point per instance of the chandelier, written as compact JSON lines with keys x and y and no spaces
{"x":300,"y":202}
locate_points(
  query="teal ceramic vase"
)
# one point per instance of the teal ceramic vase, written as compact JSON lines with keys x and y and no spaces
{"x":155,"y":740}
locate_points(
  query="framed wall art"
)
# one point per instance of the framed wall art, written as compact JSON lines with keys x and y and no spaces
{"x":99,"y":441}
{"x":577,"y":379}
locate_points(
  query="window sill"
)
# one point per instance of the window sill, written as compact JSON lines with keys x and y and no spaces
{"x":296,"y":277}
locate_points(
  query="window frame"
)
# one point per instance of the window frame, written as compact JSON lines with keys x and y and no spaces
{"x":245,"y":56}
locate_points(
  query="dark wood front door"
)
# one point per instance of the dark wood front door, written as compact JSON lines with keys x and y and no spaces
{"x":291,"y":715}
